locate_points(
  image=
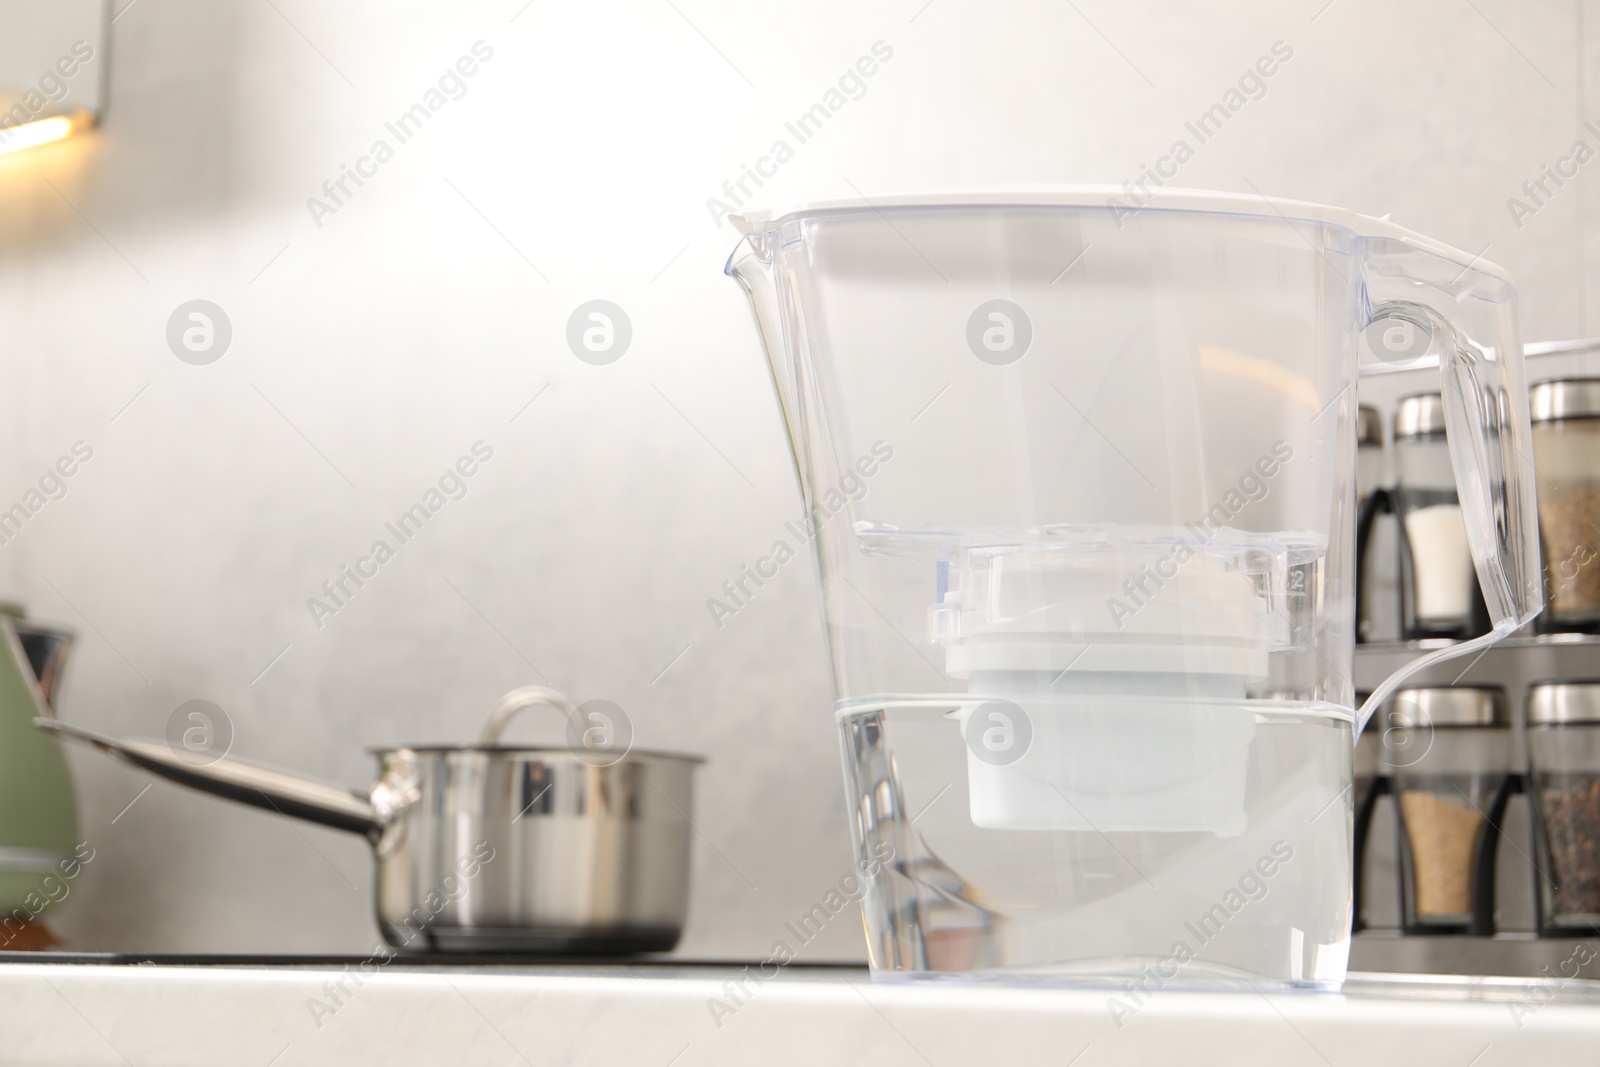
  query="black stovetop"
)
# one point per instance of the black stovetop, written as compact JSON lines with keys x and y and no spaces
{"x":622,"y":964}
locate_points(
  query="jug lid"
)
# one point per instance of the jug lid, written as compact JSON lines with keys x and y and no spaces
{"x":760,"y":220}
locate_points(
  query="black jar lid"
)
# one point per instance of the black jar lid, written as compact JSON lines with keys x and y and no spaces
{"x":1447,"y":706}
{"x":1563,"y":703}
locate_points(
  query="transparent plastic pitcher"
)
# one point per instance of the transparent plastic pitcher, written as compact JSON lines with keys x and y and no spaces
{"x":1082,"y":476}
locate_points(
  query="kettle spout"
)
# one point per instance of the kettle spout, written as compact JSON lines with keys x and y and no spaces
{"x":45,"y":652}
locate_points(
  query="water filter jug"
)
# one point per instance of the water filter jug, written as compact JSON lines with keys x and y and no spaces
{"x":1083,"y":471}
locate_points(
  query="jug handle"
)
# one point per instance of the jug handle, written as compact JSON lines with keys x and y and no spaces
{"x":1486,"y":425}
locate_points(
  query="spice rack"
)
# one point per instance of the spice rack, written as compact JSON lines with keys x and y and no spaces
{"x":1504,"y":935}
{"x":1505,"y":930}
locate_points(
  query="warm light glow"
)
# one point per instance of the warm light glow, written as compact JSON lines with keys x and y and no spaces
{"x":1263,"y":372}
{"x":32,"y":134}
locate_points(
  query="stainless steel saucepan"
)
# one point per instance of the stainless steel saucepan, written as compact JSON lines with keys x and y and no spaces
{"x":491,"y":847}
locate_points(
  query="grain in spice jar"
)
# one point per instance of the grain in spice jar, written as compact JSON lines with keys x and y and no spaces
{"x":1438,"y":584}
{"x":1563,"y":719}
{"x":1566,"y":450}
{"x":1444,"y":836}
{"x":1451,"y":746}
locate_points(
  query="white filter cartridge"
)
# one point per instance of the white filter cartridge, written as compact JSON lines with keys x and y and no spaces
{"x":1094,"y":710}
{"x":1105,"y":763}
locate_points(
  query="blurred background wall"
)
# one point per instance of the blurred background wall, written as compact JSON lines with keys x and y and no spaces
{"x":375,"y":343}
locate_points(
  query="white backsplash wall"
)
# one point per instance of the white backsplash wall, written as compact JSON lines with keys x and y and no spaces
{"x":374,"y":345}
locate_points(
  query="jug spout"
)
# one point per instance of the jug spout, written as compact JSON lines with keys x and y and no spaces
{"x":752,"y":265}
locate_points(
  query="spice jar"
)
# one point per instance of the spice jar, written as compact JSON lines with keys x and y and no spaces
{"x":1564,"y":777}
{"x":1439,"y":588}
{"x":1369,"y":761}
{"x":1371,"y":781}
{"x":1450,"y":750}
{"x":1566,"y":450}
{"x":1371,"y":500}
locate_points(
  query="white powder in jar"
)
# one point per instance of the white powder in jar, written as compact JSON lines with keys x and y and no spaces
{"x":1441,"y":564}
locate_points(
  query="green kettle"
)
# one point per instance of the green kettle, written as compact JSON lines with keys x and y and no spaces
{"x":38,"y":814}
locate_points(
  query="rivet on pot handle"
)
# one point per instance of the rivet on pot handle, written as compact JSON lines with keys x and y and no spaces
{"x":397,"y":790}
{"x":530,"y":696}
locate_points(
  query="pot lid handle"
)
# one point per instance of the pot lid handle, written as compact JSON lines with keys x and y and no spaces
{"x":527,"y":697}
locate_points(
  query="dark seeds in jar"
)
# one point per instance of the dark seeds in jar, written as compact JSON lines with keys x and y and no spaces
{"x":1570,"y":804}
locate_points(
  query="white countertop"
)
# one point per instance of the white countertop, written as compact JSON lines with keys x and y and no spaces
{"x":660,"y":1015}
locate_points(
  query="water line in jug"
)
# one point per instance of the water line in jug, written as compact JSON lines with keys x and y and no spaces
{"x":1109,"y":669}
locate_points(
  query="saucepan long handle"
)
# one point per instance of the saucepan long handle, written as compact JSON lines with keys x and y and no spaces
{"x":262,"y":787}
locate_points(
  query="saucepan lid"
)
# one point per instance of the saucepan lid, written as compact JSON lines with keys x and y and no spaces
{"x":594,"y":732}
